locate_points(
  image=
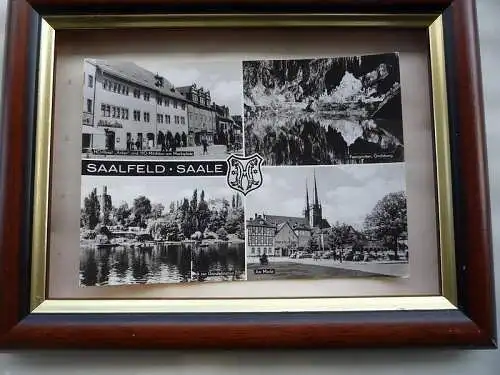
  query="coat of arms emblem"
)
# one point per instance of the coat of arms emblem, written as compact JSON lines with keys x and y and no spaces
{"x":244,"y":174}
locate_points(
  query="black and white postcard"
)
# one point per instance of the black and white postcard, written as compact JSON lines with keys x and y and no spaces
{"x":177,"y":187}
{"x":324,"y":111}
{"x":160,"y":230}
{"x":158,"y":108}
{"x":328,"y":222}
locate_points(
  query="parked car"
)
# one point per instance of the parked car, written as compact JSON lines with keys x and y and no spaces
{"x":349,"y":256}
{"x":327,"y":255}
{"x":357,"y":257}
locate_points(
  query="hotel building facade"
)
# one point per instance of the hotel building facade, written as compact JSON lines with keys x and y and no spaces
{"x":126,"y":107}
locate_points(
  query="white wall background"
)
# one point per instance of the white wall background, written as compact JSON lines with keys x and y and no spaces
{"x":373,"y":362}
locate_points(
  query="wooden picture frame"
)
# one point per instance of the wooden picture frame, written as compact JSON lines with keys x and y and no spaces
{"x":463,"y":315}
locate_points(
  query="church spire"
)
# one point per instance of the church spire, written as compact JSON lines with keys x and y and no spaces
{"x":307,"y":209}
{"x":317,"y":214}
{"x":316,"y":200}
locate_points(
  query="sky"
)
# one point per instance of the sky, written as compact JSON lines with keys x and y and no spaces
{"x":223,"y":78}
{"x":158,"y":189}
{"x":347,"y":192}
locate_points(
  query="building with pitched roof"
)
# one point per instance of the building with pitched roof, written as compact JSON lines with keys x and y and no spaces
{"x":260,"y":236}
{"x":313,"y":214}
{"x":128,"y":107}
{"x":290,"y":233}
{"x":202,"y":116}
{"x":286,"y":239}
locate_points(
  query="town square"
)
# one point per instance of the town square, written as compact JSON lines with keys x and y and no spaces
{"x":356,"y":228}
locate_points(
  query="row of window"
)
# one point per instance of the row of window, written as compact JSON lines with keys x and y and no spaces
{"x":201,"y":100}
{"x":108,"y":110}
{"x":257,"y":240}
{"x":123,"y":89}
{"x":265,"y":250}
{"x":201,"y":118}
{"x":113,"y":111}
{"x":166,"y":102}
{"x":261,"y":230}
{"x":113,"y":86}
{"x":137,"y":116}
{"x":160,"y":119}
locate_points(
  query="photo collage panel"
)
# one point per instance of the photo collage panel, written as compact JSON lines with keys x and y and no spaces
{"x":242,"y":170}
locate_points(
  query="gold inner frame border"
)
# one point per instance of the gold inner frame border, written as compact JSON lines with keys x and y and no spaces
{"x":41,"y":220}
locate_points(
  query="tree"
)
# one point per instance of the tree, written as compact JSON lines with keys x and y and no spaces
{"x":173,"y":232}
{"x":222,"y":234}
{"x":313,"y":245}
{"x":388,"y":220}
{"x":142,"y":208}
{"x":157,"y":210}
{"x":215,"y":221}
{"x":104,"y":230}
{"x":82,"y":218}
{"x":203,"y":213}
{"x":233,"y":202}
{"x":91,"y":210}
{"x":186,"y":222}
{"x":235,"y":221}
{"x":225,"y":208}
{"x":108,"y":207}
{"x":169,"y":231}
{"x":185,"y":208}
{"x":194,"y":201}
{"x":340,"y":235}
{"x":122,"y":213}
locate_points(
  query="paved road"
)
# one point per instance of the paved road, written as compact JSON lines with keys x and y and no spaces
{"x":293,"y":270}
{"x":397,"y":269}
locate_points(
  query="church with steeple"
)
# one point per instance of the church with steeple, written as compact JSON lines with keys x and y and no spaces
{"x":313,"y":213}
{"x":275,"y":235}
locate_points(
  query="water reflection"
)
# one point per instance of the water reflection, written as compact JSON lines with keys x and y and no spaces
{"x":221,"y":263}
{"x":325,"y":138}
{"x":162,"y":263}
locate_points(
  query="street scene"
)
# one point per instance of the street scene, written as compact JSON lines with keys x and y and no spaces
{"x":130,"y":111}
{"x":346,"y":221}
{"x":324,"y":111}
{"x":134,"y":231}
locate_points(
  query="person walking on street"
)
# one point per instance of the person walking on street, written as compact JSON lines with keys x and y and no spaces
{"x":205,"y":146}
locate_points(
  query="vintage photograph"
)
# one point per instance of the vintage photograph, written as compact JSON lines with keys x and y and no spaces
{"x":161,"y":109}
{"x":324,"y":111}
{"x":327,"y":222}
{"x":160,"y":230}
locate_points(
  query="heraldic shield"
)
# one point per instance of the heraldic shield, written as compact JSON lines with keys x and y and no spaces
{"x":244,"y":174}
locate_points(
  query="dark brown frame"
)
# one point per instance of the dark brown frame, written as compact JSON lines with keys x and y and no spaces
{"x":472,"y":325}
